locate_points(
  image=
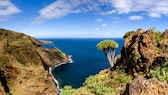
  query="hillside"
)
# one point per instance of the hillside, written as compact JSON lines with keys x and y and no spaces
{"x":24,"y":65}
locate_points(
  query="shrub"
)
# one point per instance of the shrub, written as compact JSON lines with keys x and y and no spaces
{"x":160,"y":73}
{"x":97,"y":85}
{"x":128,"y":34}
{"x":67,"y":90}
{"x":158,"y":36}
{"x":100,"y":84}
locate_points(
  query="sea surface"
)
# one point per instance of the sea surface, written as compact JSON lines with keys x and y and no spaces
{"x":87,"y":59}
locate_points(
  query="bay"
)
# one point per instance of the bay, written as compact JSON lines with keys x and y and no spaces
{"x":87,"y":59}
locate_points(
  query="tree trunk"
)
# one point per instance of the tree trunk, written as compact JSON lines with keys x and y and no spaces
{"x":112,"y":56}
{"x":110,"y":53}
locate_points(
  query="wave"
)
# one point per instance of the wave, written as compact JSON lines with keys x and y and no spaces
{"x":70,"y":58}
{"x":55,"y":80}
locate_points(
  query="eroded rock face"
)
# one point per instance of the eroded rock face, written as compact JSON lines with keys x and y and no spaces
{"x":142,"y":86}
{"x":144,"y":50}
{"x":24,"y":65}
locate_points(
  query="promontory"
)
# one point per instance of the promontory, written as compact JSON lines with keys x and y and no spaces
{"x":24,"y":65}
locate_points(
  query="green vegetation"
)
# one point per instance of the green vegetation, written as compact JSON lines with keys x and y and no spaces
{"x":128,"y":33}
{"x":137,"y":56}
{"x":160,"y":72}
{"x":158,"y":36}
{"x":101,"y":84}
{"x":108,"y":46}
{"x":154,"y":29}
{"x":3,"y":60}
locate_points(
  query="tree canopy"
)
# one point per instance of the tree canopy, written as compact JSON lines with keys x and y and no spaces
{"x":107,"y":44}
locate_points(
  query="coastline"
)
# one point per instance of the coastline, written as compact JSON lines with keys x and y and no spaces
{"x":51,"y":68}
{"x":70,"y":61}
{"x":55,"y":81}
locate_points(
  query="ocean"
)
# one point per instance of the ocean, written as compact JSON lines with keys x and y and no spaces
{"x":87,"y":59}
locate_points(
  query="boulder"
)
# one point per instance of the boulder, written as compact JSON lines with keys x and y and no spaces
{"x":142,"y":86}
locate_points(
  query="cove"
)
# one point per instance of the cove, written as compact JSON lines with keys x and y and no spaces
{"x":87,"y":59}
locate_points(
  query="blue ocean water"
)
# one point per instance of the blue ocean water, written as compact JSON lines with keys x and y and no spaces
{"x":87,"y":59}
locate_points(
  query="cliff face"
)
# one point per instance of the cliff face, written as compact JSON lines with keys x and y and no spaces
{"x":24,"y":65}
{"x":143,"y":51}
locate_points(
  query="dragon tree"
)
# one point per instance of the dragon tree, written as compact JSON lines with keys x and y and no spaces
{"x":109,"y":47}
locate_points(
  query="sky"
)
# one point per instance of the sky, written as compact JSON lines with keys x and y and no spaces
{"x":82,"y":18}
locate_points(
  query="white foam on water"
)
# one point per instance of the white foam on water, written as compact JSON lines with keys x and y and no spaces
{"x":55,"y":80}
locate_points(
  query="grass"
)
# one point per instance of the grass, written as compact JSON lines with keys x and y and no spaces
{"x":3,"y":59}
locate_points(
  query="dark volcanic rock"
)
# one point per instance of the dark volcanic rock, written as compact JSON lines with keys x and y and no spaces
{"x":24,"y":65}
{"x":142,"y":50}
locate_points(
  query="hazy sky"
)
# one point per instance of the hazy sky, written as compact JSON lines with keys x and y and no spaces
{"x":82,"y":18}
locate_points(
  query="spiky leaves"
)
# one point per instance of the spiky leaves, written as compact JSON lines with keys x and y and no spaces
{"x":105,"y":44}
{"x":108,"y":46}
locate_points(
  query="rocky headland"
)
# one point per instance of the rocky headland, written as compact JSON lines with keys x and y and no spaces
{"x":24,"y":65}
{"x":144,"y":50}
{"x":145,"y":56}
{"x":140,"y":69}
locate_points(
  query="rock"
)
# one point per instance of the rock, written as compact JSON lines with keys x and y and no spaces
{"x":165,"y":34}
{"x":45,"y":42}
{"x":24,"y":65}
{"x":102,"y":72}
{"x":142,"y":50}
{"x":142,"y":86}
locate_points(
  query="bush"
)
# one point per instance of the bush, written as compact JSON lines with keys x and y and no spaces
{"x":100,"y":84}
{"x":160,"y":73}
{"x":67,"y":90}
{"x":97,"y":85}
{"x":158,"y":36}
{"x":128,"y":34}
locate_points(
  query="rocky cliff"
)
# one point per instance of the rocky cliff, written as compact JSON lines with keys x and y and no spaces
{"x":144,"y":50}
{"x":24,"y":65}
{"x":145,"y":56}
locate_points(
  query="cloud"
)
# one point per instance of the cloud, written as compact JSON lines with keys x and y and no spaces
{"x":61,"y":8}
{"x":55,"y":10}
{"x":135,"y":17}
{"x":108,"y":12}
{"x":153,"y":8}
{"x":99,"y":20}
{"x":122,"y":6}
{"x":7,"y":9}
{"x":96,"y":29}
{"x":104,"y":25}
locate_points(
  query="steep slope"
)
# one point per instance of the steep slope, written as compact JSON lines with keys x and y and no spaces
{"x":24,"y":65}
